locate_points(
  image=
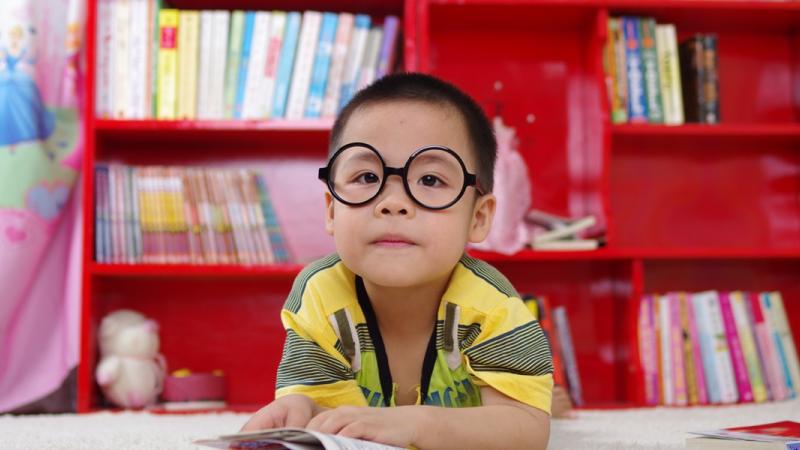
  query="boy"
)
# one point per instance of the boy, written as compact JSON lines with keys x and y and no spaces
{"x":400,"y":316}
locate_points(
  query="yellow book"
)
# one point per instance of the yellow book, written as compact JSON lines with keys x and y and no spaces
{"x":167,"y":63}
{"x":188,"y":48}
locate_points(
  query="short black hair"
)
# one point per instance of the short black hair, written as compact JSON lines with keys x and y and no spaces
{"x":426,"y":88}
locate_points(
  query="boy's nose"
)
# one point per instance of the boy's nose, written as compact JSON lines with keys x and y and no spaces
{"x":393,"y":200}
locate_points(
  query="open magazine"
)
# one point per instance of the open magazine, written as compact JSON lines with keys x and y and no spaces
{"x":291,"y":439}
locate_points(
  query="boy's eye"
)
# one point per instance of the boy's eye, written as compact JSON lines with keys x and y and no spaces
{"x":367,"y":178}
{"x":431,"y":181}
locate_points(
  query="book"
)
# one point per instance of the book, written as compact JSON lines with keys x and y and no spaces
{"x":772,"y":304}
{"x":283,"y":76}
{"x":669,"y":74}
{"x":244,"y":62}
{"x":693,"y":69}
{"x":355,"y":57}
{"x":568,"y":245}
{"x":344,"y":30}
{"x":564,"y":336}
{"x":234,"y":54}
{"x":188,"y":51}
{"x":322,"y":63}
{"x":775,"y":435}
{"x":744,"y":328}
{"x":710,"y":108}
{"x":388,"y":47}
{"x":619,"y":113}
{"x":735,"y":346}
{"x":637,"y":96}
{"x":168,"y":63}
{"x":766,"y":349}
{"x":292,"y":438}
{"x":564,"y":229}
{"x":303,"y":64}
{"x":648,"y":352}
{"x":254,"y":94}
{"x":652,"y":83}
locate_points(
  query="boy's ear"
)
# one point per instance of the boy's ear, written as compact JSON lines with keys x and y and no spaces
{"x":329,"y":213}
{"x":482,"y":215}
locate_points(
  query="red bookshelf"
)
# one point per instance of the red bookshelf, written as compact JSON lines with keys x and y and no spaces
{"x":688,"y":207}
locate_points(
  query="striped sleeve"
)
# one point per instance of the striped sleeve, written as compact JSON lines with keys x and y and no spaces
{"x":313,"y":363}
{"x":512,"y":356}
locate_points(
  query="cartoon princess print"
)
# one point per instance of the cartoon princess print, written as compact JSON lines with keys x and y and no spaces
{"x":23,"y":115}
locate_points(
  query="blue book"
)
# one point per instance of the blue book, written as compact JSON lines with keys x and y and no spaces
{"x":100,"y":197}
{"x":322,"y":63}
{"x":637,"y":98}
{"x":244,"y":61}
{"x":388,"y":46}
{"x":279,"y":251}
{"x":285,"y":64}
{"x":701,"y":313}
{"x":355,"y":54}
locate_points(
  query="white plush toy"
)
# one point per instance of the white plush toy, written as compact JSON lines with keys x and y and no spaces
{"x":131,"y":371}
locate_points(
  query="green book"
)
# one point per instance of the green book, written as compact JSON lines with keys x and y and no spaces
{"x":234,"y":56}
{"x":652,"y":83}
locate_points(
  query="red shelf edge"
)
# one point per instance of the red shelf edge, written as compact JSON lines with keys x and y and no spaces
{"x":721,"y":130}
{"x":637,"y":253}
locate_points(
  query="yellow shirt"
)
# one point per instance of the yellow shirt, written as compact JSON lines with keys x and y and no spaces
{"x":485,"y":336}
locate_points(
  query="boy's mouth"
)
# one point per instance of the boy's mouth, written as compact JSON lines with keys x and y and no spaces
{"x":393,"y":241}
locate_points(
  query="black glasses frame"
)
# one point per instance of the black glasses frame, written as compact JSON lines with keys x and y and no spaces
{"x":470,"y":179}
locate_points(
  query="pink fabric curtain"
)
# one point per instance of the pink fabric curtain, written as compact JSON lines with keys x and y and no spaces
{"x":41,"y":52}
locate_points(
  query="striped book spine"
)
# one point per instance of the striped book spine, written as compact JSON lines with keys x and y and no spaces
{"x":737,"y":356}
{"x":322,"y":63}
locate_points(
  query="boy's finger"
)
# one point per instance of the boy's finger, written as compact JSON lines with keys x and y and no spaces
{"x":260,"y":421}
{"x":297,"y":419}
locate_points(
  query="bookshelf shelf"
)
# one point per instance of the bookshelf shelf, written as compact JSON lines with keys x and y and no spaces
{"x":786,"y":131}
{"x":274,"y":272}
{"x":689,"y":207}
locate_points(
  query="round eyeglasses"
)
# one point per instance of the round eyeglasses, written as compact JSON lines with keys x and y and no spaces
{"x":434,"y":176}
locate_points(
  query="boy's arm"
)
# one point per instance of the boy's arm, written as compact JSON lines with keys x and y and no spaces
{"x":500,"y":423}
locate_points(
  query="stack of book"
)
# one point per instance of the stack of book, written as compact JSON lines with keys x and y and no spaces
{"x":174,"y":215}
{"x":651,"y":79}
{"x":553,"y":232}
{"x":555,"y":325}
{"x":219,"y":64}
{"x":716,"y":347}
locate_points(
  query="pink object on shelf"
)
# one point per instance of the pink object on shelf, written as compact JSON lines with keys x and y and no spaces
{"x":194,"y":387}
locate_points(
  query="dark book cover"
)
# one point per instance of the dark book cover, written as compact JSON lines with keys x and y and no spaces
{"x":711,"y":80}
{"x":691,"y":56}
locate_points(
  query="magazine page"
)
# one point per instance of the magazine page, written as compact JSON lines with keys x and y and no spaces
{"x":291,"y":439}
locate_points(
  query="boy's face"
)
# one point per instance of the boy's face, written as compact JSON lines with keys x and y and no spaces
{"x":392,"y":241}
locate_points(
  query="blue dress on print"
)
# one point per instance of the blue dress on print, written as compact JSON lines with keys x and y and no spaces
{"x":23,"y":116}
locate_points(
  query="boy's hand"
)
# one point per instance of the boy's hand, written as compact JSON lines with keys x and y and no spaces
{"x":393,"y":426}
{"x":293,"y":410}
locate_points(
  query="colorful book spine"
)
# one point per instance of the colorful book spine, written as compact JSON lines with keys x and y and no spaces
{"x":277,"y":27}
{"x":667,"y":366}
{"x":652,"y":83}
{"x":744,"y":329}
{"x":276,"y":240}
{"x":355,"y":57}
{"x":570,"y":360}
{"x":686,"y":349}
{"x":388,"y":47}
{"x":692,"y":64}
{"x":253,"y":95}
{"x":303,"y":64}
{"x":154,"y":31}
{"x":734,"y":344}
{"x":286,"y":64}
{"x":103,"y":106}
{"x":702,"y":314}
{"x":637,"y":101}
{"x":647,"y":350}
{"x":100,"y":213}
{"x":619,"y":113}
{"x":120,"y":59}
{"x":137,"y":65}
{"x":219,"y":64}
{"x":370,"y":62}
{"x":205,"y":62}
{"x":710,"y":111}
{"x":244,"y":62}
{"x":167,"y":63}
{"x":234,"y":56}
{"x":322,"y":62}
{"x":697,"y":356}
{"x":669,"y":74}
{"x":766,"y":346}
{"x":785,"y":342}
{"x":188,"y":52}
{"x":621,"y":72}
{"x":344,"y":30}
{"x":728,"y":389}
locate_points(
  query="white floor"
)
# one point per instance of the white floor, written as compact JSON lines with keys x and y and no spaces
{"x":655,"y":428}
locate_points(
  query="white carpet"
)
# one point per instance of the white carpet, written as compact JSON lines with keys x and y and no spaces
{"x":656,"y":428}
